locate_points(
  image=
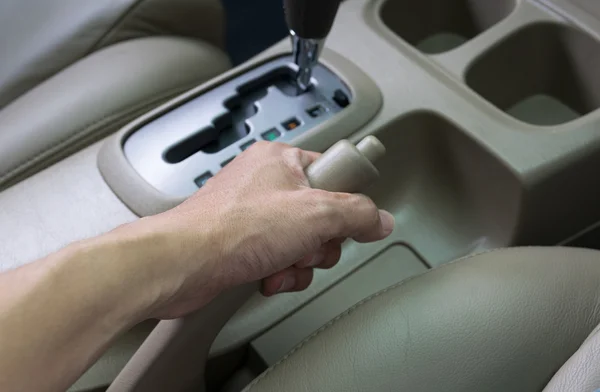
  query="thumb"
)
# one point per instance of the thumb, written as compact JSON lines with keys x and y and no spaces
{"x":381,"y":231}
{"x":356,"y":216}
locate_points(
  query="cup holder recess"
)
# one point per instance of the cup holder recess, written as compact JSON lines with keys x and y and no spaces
{"x":435,"y":175}
{"x":544,"y":74}
{"x":437,"y":26}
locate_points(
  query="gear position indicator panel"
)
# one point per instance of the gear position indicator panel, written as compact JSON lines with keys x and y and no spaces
{"x":177,"y":152}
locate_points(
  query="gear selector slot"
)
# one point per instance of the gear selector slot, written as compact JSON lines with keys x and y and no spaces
{"x":171,"y":151}
{"x":228,"y":128}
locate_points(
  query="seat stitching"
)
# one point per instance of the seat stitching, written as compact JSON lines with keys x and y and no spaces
{"x":118,"y":22}
{"x":88,"y":130}
{"x":592,"y":335}
{"x":359,"y":304}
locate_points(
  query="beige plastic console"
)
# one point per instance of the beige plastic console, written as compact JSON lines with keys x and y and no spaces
{"x":489,"y":115}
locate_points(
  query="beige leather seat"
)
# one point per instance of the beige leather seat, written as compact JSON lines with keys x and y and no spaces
{"x":72,"y":71}
{"x":510,"y":320}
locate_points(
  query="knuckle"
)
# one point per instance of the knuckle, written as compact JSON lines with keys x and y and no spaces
{"x":293,"y":158}
{"x":367,"y":205}
{"x":340,"y":212}
{"x":260,"y":145}
{"x":331,"y":261}
{"x":372,"y":213}
{"x":277,"y":146}
{"x":324,"y":209}
{"x":364,"y":212}
{"x":313,"y":197}
{"x":341,"y":197}
{"x":293,"y":153}
{"x":337,"y":213}
{"x":265,"y":147}
{"x":305,"y":279}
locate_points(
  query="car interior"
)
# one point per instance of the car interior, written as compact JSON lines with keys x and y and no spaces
{"x":475,"y":122}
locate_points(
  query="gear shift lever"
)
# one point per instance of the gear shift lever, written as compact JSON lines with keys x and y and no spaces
{"x":174,"y":356}
{"x":310,"y":22}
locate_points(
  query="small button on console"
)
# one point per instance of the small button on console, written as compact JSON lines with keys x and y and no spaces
{"x":271,"y":135}
{"x":316,"y":111}
{"x":341,"y":98}
{"x":291,"y":124}
{"x":227,"y":162}
{"x":200,"y":181}
{"x":247,"y":145}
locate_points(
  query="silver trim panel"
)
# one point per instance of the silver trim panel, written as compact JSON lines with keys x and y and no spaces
{"x":145,"y":148}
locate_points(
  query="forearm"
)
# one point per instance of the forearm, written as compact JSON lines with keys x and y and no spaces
{"x":57,"y":315}
{"x":257,"y":220}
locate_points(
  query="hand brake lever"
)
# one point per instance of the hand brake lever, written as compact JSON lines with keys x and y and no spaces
{"x":174,"y":355}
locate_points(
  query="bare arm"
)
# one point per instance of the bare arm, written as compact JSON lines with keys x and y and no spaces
{"x":256,"y":220}
{"x":59,"y":314}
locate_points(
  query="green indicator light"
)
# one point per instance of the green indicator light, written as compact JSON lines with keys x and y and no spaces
{"x":271,"y":134}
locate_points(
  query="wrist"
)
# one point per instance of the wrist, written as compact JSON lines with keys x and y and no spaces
{"x":113,"y":264}
{"x":164,"y":263}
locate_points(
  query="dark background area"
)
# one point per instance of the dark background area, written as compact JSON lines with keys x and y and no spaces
{"x":252,"y":26}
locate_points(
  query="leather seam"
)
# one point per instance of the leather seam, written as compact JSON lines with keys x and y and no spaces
{"x":355,"y":307}
{"x":114,"y":26}
{"x":88,"y":130}
{"x":592,"y":335}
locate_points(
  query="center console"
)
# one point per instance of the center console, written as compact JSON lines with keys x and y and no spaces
{"x":488,"y":110}
{"x":165,"y":156}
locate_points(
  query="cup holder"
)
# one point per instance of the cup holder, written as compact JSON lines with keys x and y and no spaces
{"x":544,"y":74}
{"x":435,"y":175}
{"x":437,"y":26}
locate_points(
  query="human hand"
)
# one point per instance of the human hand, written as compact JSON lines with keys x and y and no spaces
{"x":258,"y":219}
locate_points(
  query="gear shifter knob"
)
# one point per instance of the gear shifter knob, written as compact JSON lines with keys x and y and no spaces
{"x":311,"y":19}
{"x":310,"y":22}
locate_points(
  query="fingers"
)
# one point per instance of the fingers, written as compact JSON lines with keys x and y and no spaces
{"x":299,"y":277}
{"x":354,"y":216}
{"x":381,"y":230}
{"x":289,"y":280}
{"x":326,"y":257}
{"x":294,"y":156}
{"x":303,"y":158}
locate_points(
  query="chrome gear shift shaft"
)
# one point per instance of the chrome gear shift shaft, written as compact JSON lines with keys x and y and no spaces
{"x":309,"y":22}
